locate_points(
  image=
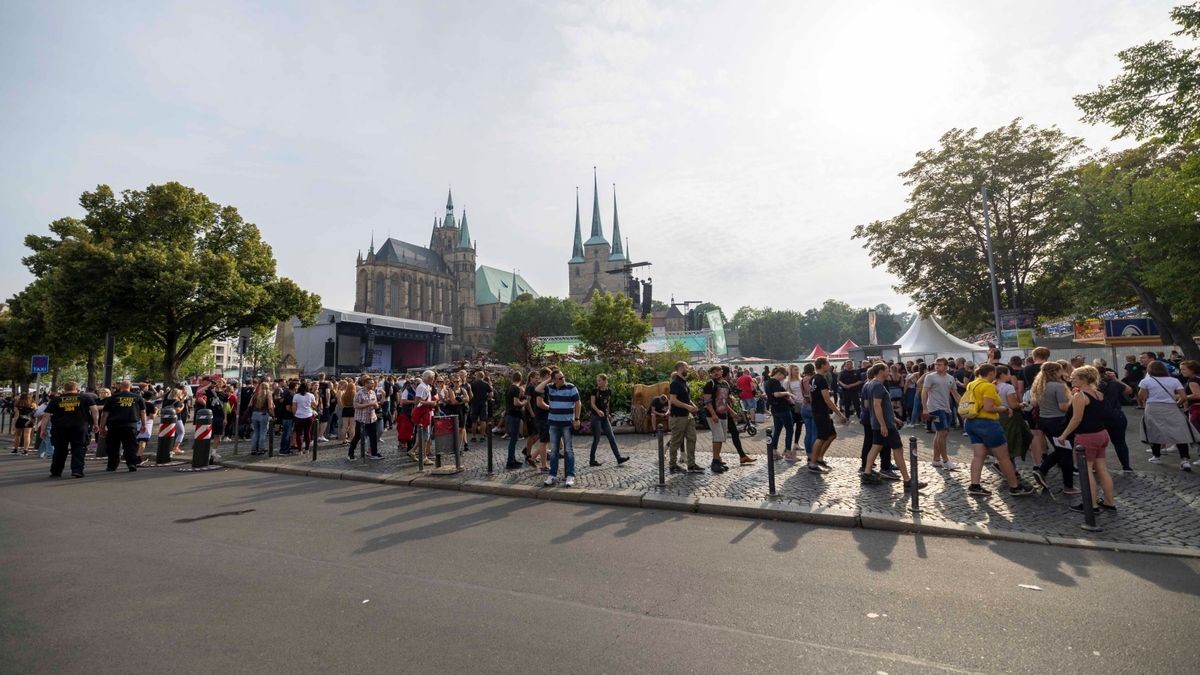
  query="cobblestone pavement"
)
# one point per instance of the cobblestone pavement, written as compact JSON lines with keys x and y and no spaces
{"x":1157,"y":504}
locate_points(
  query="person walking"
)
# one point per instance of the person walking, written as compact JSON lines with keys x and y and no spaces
{"x":981,"y":421}
{"x":1115,"y":423}
{"x":1016,"y":431}
{"x":563,"y":406}
{"x":304,"y":412}
{"x":735,"y":413}
{"x":939,"y":397}
{"x":262,"y":408}
{"x":1053,"y":401}
{"x":683,"y":425}
{"x":1163,"y":424}
{"x":514,"y":405}
{"x":69,"y":414}
{"x":823,"y":409}
{"x":779,"y":399}
{"x":23,"y":428}
{"x":884,"y":431}
{"x":366,"y":403}
{"x":123,"y":414}
{"x":1086,"y":429}
{"x":599,"y":405}
{"x":716,"y":408}
{"x":796,"y":385}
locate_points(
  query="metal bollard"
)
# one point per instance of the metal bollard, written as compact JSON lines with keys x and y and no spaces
{"x":457,"y":447}
{"x":662,"y":458}
{"x":489,"y":445}
{"x":421,"y":440}
{"x":315,"y":443}
{"x":270,"y":438}
{"x":166,"y":436}
{"x":1085,"y":491}
{"x":770,"y":470}
{"x":202,"y":442}
{"x":915,"y":507}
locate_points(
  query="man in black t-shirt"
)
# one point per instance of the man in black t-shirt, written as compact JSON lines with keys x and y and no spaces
{"x":823,"y":410}
{"x":683,"y":425}
{"x":481,"y":393}
{"x":514,"y":407}
{"x":123,"y":413}
{"x":597,"y":403}
{"x":716,"y":408}
{"x":780,"y":400}
{"x":540,"y":431}
{"x":69,"y":415}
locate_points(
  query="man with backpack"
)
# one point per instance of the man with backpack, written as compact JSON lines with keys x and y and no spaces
{"x":980,"y":409}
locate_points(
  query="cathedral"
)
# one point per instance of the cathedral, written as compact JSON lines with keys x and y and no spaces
{"x":443,"y":284}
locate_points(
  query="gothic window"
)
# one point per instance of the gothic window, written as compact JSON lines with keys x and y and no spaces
{"x":379,"y":294}
{"x":394,"y":296}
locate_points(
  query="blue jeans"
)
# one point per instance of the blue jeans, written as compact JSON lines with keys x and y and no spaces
{"x":601,"y":425}
{"x":513,"y":423}
{"x":810,"y":428}
{"x":285,"y":436}
{"x":565,"y":434}
{"x":782,"y":417}
{"x":915,"y":418}
{"x":258,"y":430}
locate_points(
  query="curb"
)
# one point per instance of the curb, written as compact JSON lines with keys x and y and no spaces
{"x":718,"y":506}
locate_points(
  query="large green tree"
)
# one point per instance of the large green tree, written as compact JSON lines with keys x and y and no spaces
{"x":1157,"y":94}
{"x":169,"y":267}
{"x":937,"y":246}
{"x":527,"y":318}
{"x":1134,"y":219}
{"x":610,"y":328}
{"x":771,"y":334}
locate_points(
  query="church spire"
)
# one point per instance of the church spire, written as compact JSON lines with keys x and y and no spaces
{"x":449,"y":220}
{"x":617,"y":252}
{"x":577,"y":251}
{"x":597,"y":229}
{"x":512,"y":296}
{"x":372,"y":248}
{"x":464,"y":235}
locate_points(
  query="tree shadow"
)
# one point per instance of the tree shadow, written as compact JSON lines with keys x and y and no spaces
{"x":630,"y":521}
{"x":455,"y":502}
{"x":876,"y":546}
{"x":465,"y":521}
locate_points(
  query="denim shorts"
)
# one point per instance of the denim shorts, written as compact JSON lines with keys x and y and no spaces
{"x":941,"y":419}
{"x":989,"y":433}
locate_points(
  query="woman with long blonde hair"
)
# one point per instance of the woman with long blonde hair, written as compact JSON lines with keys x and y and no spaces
{"x":1053,"y":401}
{"x":1086,"y":429}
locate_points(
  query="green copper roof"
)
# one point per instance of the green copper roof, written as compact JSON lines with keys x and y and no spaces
{"x":493,"y":286}
{"x":577,"y":251}
{"x":617,"y":252}
{"x":464,"y":236}
{"x":597,"y":237}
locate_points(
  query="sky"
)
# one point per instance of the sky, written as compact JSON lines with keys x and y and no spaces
{"x":746,"y":139}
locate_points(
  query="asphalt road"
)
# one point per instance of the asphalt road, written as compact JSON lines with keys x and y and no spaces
{"x":125,"y":573}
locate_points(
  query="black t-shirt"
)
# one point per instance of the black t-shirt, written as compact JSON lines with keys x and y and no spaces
{"x":602,"y":397}
{"x":1135,"y":371}
{"x":818,"y":383}
{"x":124,"y":409}
{"x":71,"y":411}
{"x":679,"y":388}
{"x":480,"y":390}
{"x":215,"y":401}
{"x":533,"y":396}
{"x":659,"y":405}
{"x":1030,"y":373}
{"x":1114,"y":391}
{"x":849,"y":377}
{"x":511,"y":396}
{"x":778,"y":403}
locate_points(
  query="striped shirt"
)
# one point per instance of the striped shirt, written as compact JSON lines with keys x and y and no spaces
{"x":562,"y":402}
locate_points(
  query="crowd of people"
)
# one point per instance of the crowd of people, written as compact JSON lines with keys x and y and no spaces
{"x":1031,"y":408}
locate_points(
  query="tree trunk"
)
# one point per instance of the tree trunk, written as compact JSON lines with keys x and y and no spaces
{"x":54,"y":379}
{"x":171,"y":360}
{"x":91,"y":370}
{"x":1172,"y":331}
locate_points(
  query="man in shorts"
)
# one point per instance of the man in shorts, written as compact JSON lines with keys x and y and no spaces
{"x":716,"y":407}
{"x":823,"y":409}
{"x":884,"y":431}
{"x":939,"y":397}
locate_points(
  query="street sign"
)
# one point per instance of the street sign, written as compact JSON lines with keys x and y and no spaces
{"x":39,"y":364}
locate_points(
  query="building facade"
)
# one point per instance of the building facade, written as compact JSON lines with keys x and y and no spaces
{"x":595,"y":264}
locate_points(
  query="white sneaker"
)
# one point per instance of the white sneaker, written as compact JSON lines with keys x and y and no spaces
{"x":965,"y":433}
{"x":1169,"y":448}
{"x":1185,"y":465}
{"x":936,"y":463}
{"x":570,"y":482}
{"x":949,"y":466}
{"x":1154,"y":460}
{"x":549,"y":481}
{"x":323,"y":439}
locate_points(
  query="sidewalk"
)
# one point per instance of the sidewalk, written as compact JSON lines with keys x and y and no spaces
{"x":1159,"y":506}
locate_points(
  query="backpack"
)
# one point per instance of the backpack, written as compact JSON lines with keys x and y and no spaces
{"x":968,"y":407}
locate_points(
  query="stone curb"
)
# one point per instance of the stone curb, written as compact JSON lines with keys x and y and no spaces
{"x":767,"y":509}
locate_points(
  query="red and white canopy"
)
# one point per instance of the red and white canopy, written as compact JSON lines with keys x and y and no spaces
{"x":843,"y":351}
{"x":816,"y":352}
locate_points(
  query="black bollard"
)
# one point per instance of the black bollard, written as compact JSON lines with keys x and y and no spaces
{"x":489,"y":446}
{"x":770,"y":470}
{"x":270,"y":438}
{"x":202,"y":442}
{"x":662,"y":459}
{"x":1085,"y":491}
{"x":915,"y":507}
{"x":315,"y":443}
{"x":166,"y":435}
{"x":457,"y":447}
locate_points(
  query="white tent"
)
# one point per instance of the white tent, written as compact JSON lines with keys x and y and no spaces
{"x":926,"y":338}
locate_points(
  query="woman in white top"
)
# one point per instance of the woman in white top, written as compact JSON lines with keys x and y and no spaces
{"x":302,"y":409}
{"x":795,"y":384}
{"x":1164,"y":423}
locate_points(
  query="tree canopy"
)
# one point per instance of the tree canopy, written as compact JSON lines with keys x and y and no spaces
{"x":528,"y":317}
{"x":165,"y":266}
{"x":788,"y":335}
{"x":610,"y":328}
{"x":937,"y":246}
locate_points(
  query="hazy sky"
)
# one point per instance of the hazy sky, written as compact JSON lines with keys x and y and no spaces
{"x":746,"y":139}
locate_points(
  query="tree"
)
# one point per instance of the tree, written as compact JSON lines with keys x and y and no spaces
{"x":699,"y":315}
{"x":937,"y":247}
{"x":610,"y":329}
{"x":1134,"y":218}
{"x":527,"y":318}
{"x":177,"y":266}
{"x":743,"y":316}
{"x":263,"y":353}
{"x":1158,"y":92}
{"x":771,"y":334}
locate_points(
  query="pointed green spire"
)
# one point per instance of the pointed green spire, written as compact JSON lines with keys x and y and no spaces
{"x":449,"y":219}
{"x":449,"y":200}
{"x":464,"y":235}
{"x":515,"y":290}
{"x":617,"y":252}
{"x":597,"y":229}
{"x":577,"y":251}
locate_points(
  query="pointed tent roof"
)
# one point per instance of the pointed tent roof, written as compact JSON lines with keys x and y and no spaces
{"x":843,"y":351}
{"x":617,"y":252}
{"x":464,"y":235}
{"x":817,"y":352}
{"x":577,"y":251}
{"x":926,"y":336}
{"x":597,"y":238}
